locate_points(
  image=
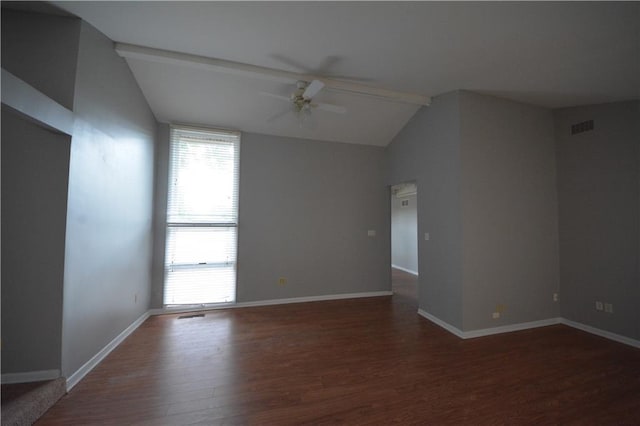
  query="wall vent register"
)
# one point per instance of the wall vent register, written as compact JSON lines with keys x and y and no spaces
{"x":585,"y":126}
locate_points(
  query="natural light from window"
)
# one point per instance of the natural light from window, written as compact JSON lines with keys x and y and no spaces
{"x":202,"y":212}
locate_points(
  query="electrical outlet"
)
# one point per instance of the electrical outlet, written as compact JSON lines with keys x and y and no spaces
{"x":426,"y":236}
{"x":496,"y":315}
{"x":555,"y":297}
{"x":608,"y":307}
{"x":371,"y":232}
{"x":282,"y":281}
{"x":135,"y":298}
{"x":599,"y":306}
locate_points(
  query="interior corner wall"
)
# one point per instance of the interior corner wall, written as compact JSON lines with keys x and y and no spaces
{"x":35,"y":171}
{"x":599,"y":215}
{"x":509,"y":205}
{"x":404,"y":233}
{"x":427,"y":150}
{"x":304,"y":211}
{"x":107,"y":275}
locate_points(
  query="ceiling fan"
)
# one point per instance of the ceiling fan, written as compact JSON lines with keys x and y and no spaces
{"x":323,"y":69}
{"x":301,"y":100}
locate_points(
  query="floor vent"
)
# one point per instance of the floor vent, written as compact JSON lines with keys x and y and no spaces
{"x":585,"y":126}
{"x":191,"y":316}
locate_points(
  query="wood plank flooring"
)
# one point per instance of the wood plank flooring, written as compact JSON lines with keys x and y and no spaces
{"x":358,"y":361}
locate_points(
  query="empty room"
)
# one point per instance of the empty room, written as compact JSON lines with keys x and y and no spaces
{"x":282,"y":213}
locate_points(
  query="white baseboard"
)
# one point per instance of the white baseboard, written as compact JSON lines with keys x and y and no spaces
{"x":271,"y":302}
{"x":527,"y":325}
{"x":437,"y":321}
{"x":314,"y":298}
{"x":89,"y":365}
{"x":30,"y":376}
{"x":405,"y":270}
{"x":487,"y":331}
{"x":187,"y":309}
{"x":602,"y":333}
{"x":510,"y":328}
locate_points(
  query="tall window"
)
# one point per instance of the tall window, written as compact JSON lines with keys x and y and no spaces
{"x":202,"y":217}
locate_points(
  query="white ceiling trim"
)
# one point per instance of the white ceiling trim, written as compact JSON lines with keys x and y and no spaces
{"x":131,"y":51}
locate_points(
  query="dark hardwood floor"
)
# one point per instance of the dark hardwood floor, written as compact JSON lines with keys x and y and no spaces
{"x":357,"y":361}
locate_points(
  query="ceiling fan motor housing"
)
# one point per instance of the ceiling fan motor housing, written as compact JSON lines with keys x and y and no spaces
{"x":300,"y":103}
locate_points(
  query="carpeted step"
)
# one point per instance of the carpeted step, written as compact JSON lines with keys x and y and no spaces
{"x":24,"y":403}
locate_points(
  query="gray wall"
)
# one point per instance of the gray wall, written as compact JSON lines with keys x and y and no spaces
{"x":304,"y":211}
{"x":305,"y":208}
{"x":35,"y":170}
{"x":427,"y":150}
{"x":109,"y":233}
{"x":404,"y":233}
{"x":598,"y":187}
{"x":42,"y":50}
{"x":486,"y":172}
{"x":509,"y":212}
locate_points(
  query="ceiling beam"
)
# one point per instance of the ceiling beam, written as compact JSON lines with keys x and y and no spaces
{"x":220,"y":65}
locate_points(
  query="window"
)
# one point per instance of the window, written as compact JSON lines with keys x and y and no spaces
{"x":202,"y":217}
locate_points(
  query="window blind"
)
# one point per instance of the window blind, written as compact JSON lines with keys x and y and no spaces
{"x":202,"y":215}
{"x":203,"y":182}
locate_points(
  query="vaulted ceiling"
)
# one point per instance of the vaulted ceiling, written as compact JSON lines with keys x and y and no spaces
{"x":545,"y":53}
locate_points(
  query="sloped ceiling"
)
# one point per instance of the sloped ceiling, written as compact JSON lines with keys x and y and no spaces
{"x":545,"y":53}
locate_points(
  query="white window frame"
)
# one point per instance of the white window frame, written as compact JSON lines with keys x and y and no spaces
{"x":200,"y":224}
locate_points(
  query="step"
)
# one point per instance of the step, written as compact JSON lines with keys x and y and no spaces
{"x":24,"y":403}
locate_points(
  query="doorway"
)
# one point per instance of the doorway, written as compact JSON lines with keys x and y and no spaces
{"x":404,"y":239}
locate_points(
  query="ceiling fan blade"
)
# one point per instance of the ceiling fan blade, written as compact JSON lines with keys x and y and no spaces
{"x":338,"y":109}
{"x":292,"y":63}
{"x":324,"y":69}
{"x":312,"y":89}
{"x":327,"y":65}
{"x":271,"y":95}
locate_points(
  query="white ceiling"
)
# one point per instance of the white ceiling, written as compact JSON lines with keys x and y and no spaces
{"x":544,"y":53}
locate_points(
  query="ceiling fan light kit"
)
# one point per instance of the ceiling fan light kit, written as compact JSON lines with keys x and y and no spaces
{"x":304,"y":94}
{"x":301,"y":100}
{"x":301,"y":97}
